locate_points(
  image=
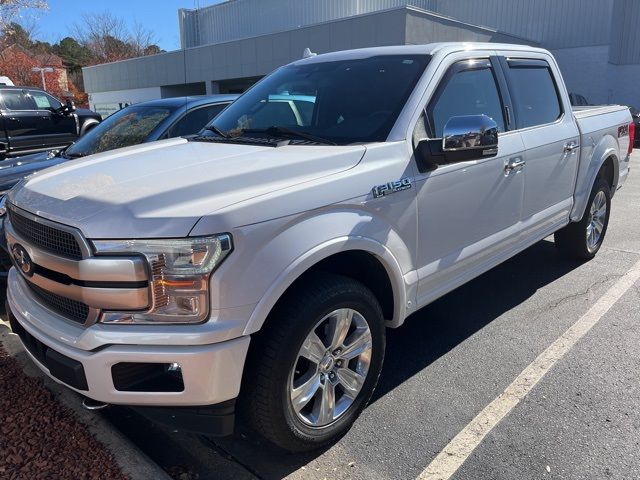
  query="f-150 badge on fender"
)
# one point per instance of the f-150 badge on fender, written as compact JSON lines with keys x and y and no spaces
{"x":391,"y":187}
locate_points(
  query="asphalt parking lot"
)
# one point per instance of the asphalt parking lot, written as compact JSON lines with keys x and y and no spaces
{"x":456,"y":357}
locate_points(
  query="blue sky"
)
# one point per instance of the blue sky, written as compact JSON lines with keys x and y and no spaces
{"x":159,"y":16}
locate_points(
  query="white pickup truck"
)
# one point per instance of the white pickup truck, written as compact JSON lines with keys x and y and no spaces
{"x":262,"y":260}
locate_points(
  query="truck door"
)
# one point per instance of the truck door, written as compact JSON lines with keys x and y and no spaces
{"x":551,"y":139}
{"x":58,"y":129}
{"x":468,"y":212}
{"x":22,"y":122}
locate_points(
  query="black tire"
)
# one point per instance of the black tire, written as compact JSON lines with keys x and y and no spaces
{"x":265,"y":399}
{"x":572,"y":239}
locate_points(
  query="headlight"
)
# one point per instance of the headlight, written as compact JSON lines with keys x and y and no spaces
{"x":3,"y":203}
{"x":179,"y":276}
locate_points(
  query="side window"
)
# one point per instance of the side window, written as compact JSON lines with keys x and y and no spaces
{"x":54,"y":102}
{"x":44,"y":101}
{"x":467,"y":89}
{"x":17,"y":100}
{"x":195,"y":120}
{"x":534,"y":94}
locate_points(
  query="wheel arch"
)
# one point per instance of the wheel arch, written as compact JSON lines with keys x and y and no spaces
{"x":604,"y":161}
{"x":362,"y":259}
{"x":88,"y":125}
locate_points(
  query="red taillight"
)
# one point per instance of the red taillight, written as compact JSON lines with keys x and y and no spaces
{"x":632,"y":136}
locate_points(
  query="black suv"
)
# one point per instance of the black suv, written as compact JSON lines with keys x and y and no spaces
{"x":31,"y":120}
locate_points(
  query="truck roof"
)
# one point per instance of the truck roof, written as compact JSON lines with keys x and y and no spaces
{"x":427,"y":49}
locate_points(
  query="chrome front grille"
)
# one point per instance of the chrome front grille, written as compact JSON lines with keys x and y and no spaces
{"x":70,"y":309}
{"x":61,"y":274}
{"x":48,"y":238}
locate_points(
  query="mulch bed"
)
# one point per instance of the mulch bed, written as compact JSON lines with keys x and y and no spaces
{"x":41,"y":439}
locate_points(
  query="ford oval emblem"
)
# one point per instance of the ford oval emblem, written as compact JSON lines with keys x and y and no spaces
{"x":22,"y":259}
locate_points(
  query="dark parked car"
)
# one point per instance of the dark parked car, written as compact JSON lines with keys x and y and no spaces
{"x":635,"y":113}
{"x":138,"y":123}
{"x":32,"y":120}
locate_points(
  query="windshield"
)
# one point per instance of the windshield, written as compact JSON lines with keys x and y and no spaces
{"x":129,"y":126}
{"x":342,"y":102}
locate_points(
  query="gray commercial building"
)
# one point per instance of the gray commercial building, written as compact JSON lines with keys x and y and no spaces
{"x":228,"y":46}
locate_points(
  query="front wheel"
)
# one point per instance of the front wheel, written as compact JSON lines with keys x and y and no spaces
{"x":583,"y":239}
{"x":314,"y":368}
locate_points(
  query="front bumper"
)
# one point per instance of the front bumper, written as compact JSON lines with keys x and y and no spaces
{"x":211,"y":373}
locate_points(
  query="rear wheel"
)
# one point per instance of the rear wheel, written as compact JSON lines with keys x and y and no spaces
{"x":314,"y":367}
{"x":583,"y":239}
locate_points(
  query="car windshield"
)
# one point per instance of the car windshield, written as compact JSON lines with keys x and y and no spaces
{"x":341,"y":102}
{"x":130,"y":126}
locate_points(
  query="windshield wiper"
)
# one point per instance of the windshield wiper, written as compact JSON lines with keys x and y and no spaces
{"x":215,"y":129}
{"x":288,"y":133}
{"x":71,"y":156}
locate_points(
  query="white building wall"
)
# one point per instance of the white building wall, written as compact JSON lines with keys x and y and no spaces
{"x":586,"y":71}
{"x":106,"y":103}
{"x":626,"y":89}
{"x":235,"y":19}
{"x":552,"y":23}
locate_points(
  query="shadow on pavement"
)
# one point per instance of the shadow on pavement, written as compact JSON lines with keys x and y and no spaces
{"x":431,"y":332}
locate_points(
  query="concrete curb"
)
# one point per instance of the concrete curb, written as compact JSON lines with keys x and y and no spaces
{"x":131,"y":460}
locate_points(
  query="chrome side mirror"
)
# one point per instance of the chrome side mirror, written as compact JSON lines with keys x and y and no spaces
{"x":471,"y":132}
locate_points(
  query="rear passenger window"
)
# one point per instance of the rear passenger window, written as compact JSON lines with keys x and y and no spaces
{"x":17,"y":100}
{"x":470,"y":91}
{"x":535,"y":95}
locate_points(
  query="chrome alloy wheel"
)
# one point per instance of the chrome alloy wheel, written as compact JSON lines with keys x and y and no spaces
{"x":597,"y":217}
{"x":331,"y":367}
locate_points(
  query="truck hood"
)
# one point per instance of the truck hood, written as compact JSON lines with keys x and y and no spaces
{"x":161,"y":189}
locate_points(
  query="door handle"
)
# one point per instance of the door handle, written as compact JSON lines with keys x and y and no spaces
{"x":514,"y":164}
{"x":570,"y":147}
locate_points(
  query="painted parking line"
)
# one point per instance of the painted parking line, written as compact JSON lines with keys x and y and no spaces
{"x":451,"y":458}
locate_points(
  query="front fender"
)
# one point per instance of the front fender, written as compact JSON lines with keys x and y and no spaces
{"x":606,"y":147}
{"x":270,"y":256}
{"x":320,"y":252}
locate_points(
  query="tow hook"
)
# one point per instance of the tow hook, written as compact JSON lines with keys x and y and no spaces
{"x":91,"y":404}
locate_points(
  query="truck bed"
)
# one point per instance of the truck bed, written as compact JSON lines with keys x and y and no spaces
{"x":591,"y":110}
{"x":599,"y":134}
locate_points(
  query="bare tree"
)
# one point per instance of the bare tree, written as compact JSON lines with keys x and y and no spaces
{"x":109,"y":39}
{"x":10,"y":10}
{"x":141,"y":39}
